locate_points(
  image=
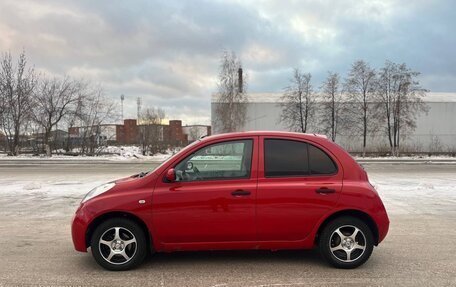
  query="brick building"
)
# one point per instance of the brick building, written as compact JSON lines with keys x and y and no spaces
{"x":129,"y":133}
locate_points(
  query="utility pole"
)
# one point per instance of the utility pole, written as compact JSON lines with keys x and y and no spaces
{"x":122,"y":98}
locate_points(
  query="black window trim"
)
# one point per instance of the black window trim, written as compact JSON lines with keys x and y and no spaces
{"x":308,"y":160}
{"x":248,"y":176}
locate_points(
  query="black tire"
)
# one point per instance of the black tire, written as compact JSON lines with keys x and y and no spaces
{"x":347,"y":252}
{"x":128,"y":231}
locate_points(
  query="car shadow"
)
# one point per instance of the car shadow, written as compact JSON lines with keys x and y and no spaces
{"x":236,"y":257}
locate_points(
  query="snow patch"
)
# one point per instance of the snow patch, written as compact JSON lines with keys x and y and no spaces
{"x":32,"y":186}
{"x":109,"y":153}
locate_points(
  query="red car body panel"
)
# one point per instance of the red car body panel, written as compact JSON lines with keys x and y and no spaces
{"x":279,"y":213}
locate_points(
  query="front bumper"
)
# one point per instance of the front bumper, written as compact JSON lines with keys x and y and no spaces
{"x":78,"y":230}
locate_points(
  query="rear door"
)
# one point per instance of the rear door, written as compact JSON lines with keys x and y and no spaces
{"x":298,"y":182}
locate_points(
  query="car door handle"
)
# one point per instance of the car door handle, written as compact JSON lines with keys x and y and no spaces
{"x":240,"y":192}
{"x":325,"y":190}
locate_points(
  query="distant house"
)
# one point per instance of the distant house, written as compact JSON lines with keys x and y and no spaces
{"x":57,"y":140}
{"x":101,"y":134}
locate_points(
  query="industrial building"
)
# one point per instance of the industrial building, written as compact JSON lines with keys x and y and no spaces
{"x":435,"y":130}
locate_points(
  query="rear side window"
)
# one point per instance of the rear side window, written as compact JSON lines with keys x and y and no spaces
{"x":320,"y":162}
{"x":294,"y":158}
{"x":285,"y":158}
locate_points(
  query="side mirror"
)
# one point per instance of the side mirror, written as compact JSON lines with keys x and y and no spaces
{"x":171,"y":175}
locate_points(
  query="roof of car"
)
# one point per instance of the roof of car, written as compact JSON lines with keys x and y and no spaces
{"x":264,"y":133}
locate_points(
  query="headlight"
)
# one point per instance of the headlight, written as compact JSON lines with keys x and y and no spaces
{"x":97,"y":191}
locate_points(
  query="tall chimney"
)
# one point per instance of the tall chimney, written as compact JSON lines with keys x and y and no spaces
{"x":138,"y":107}
{"x":240,"y":80}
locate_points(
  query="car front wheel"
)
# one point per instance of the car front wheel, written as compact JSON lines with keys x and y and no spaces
{"x":118,"y":244}
{"x":346,"y":242}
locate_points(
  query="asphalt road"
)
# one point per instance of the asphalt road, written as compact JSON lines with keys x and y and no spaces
{"x":36,"y":250}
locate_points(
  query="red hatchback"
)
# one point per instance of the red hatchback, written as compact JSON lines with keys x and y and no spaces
{"x":250,"y":190}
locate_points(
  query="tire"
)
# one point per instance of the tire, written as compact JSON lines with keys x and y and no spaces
{"x":341,"y":247}
{"x":118,"y":244}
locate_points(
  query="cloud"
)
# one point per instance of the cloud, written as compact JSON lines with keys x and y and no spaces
{"x":167,"y":52}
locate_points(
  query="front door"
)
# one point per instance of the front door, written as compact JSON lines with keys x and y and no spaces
{"x":213,"y":197}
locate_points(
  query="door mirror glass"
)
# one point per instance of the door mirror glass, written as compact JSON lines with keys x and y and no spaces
{"x":171,"y":175}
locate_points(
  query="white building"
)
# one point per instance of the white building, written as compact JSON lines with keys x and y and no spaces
{"x":435,"y":131}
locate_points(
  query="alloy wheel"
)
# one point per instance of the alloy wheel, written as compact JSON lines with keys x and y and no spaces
{"x":117,"y":245}
{"x":347,"y":243}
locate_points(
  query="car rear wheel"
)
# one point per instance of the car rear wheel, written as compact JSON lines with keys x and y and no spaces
{"x":118,"y":244}
{"x":346,"y":242}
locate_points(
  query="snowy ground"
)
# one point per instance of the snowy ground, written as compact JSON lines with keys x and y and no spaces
{"x":54,"y":190}
{"x":108,"y":153}
{"x":412,"y":189}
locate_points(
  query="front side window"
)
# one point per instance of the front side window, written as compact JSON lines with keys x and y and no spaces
{"x":227,"y":160}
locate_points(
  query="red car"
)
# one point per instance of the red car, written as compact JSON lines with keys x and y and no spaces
{"x":249,"y":190}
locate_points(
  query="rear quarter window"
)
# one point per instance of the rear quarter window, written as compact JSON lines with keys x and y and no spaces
{"x":320,"y":162}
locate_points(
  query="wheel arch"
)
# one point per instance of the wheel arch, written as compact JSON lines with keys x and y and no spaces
{"x":366,"y":218}
{"x":118,"y":214}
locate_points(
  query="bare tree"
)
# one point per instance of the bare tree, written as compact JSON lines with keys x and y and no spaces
{"x":3,"y":117}
{"x":151,"y":130}
{"x":230,"y":111}
{"x":400,"y":95}
{"x":55,"y":99}
{"x":196,"y":132}
{"x":331,"y":106}
{"x":16,"y":87}
{"x":360,"y":87}
{"x":93,"y":110}
{"x":71,"y":120}
{"x":298,"y":103}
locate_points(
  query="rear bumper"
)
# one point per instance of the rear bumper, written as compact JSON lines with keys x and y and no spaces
{"x":78,"y":231}
{"x":383,"y":223}
{"x":383,"y":230}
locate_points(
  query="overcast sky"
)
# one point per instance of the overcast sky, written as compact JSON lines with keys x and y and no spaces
{"x":167,"y":52}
